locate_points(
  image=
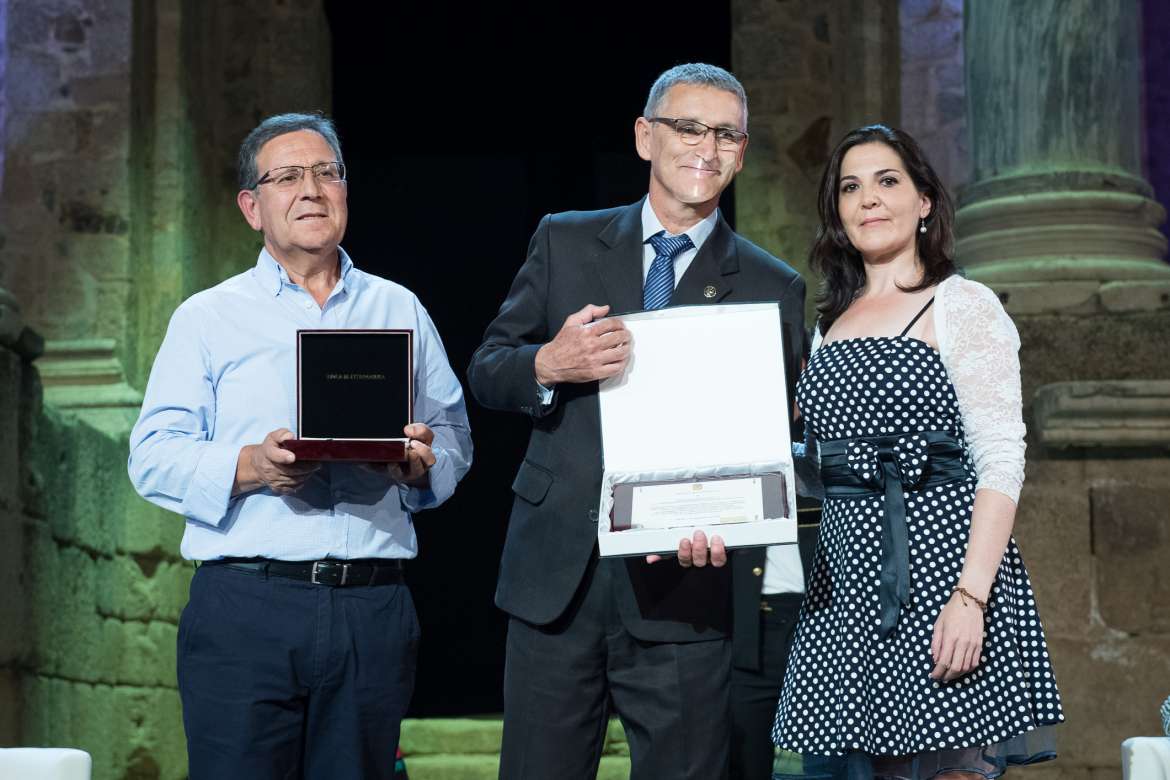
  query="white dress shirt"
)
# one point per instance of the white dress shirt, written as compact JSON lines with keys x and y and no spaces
{"x":698,"y":233}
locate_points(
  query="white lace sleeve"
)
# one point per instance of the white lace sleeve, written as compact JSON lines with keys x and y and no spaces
{"x":980,"y":349}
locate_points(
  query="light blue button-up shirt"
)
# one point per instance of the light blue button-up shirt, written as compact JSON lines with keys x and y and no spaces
{"x":225,"y":377}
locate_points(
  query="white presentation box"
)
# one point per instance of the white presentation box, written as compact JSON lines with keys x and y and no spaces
{"x":695,"y":432}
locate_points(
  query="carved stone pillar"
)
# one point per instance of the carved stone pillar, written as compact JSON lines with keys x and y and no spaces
{"x":1058,"y":217}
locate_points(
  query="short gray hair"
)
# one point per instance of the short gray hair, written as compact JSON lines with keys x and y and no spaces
{"x":697,"y":73}
{"x":279,"y":125}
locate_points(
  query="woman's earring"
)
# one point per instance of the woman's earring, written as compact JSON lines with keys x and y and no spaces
{"x":922,"y":226}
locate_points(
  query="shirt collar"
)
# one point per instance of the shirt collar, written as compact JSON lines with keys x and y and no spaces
{"x":698,"y":232}
{"x":273,"y":277}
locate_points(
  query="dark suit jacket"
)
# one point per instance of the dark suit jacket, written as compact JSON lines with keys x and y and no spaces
{"x":574,"y":259}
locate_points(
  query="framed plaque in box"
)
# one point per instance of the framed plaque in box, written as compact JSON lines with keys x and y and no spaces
{"x":695,"y":432}
{"x":355,"y":394}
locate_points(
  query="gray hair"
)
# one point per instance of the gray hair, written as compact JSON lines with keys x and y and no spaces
{"x":697,"y":73}
{"x":278,"y":125}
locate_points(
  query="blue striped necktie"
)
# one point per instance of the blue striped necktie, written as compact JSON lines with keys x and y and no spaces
{"x":660,"y":279}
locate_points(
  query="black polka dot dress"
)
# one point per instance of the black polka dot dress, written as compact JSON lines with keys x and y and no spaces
{"x":860,"y":705}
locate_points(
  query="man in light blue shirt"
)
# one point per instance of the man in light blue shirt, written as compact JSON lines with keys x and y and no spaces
{"x":297,"y":649}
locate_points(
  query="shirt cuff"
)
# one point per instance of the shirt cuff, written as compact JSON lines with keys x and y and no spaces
{"x":442,"y":478}
{"x":545,"y":394}
{"x":210,"y":490}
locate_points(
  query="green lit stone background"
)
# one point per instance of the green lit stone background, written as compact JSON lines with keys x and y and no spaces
{"x":119,"y":119}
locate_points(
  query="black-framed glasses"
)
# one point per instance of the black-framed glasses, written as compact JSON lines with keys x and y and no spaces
{"x":288,"y":177}
{"x":692,"y":133}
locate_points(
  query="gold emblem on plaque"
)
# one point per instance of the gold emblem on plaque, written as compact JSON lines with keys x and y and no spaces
{"x":709,"y":291}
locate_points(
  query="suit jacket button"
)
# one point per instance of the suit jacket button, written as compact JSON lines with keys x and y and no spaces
{"x":757,"y":571}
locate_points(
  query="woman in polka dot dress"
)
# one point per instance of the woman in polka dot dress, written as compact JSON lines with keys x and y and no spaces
{"x":919,"y":652}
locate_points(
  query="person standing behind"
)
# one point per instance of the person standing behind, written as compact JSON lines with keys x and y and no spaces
{"x":583,"y":630}
{"x":296,"y":651}
{"x":767,"y":591}
{"x":919,"y":651}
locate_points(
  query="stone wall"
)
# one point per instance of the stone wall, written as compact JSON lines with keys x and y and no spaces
{"x":92,"y":587}
{"x":812,"y":71}
{"x":3,"y":92}
{"x":123,"y":119}
{"x":1092,"y":526}
{"x":104,"y":590}
{"x":782,"y":52}
{"x":118,"y":201}
{"x":66,"y":199}
{"x":206,"y":74}
{"x":19,"y":404}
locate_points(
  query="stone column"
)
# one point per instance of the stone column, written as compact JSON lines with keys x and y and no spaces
{"x":1059,"y":220}
{"x":1058,"y":217}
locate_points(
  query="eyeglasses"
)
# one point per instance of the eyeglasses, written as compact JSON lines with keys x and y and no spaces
{"x":288,"y":177}
{"x":692,"y":133}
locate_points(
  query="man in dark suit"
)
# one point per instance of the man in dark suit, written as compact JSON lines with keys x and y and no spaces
{"x":651,"y":638}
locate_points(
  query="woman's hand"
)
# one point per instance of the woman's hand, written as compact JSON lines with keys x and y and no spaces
{"x":958,"y":639}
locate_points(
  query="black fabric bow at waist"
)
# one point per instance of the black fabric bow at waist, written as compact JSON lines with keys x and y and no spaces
{"x":887,"y":465}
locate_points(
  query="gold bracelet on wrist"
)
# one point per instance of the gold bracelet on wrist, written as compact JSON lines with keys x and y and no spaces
{"x":965,"y":594}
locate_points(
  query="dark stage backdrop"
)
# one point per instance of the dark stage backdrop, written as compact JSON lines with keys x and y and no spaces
{"x":462,"y":126}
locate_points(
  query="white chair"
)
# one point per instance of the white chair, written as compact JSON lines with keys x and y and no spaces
{"x":44,"y":764}
{"x":1145,"y":758}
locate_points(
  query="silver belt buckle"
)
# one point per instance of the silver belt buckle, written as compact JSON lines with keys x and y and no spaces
{"x":325,"y":566}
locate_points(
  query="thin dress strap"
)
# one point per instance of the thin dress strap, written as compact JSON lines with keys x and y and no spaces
{"x":917,"y":317}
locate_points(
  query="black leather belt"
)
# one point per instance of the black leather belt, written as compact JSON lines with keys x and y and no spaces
{"x":769,"y":602}
{"x":886,"y":466}
{"x":338,"y":574}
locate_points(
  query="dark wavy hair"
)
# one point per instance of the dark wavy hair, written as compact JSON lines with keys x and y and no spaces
{"x":839,"y":263}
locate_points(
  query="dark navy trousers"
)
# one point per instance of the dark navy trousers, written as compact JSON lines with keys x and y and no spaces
{"x":281,"y":678}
